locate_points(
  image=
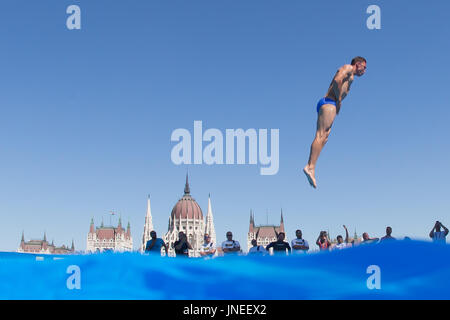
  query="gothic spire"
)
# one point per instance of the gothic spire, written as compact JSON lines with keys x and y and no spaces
{"x":148,"y":226}
{"x":186,"y":187}
{"x":252,"y":221}
{"x":91,"y":227}
{"x":209,"y":228}
{"x":149,"y":212}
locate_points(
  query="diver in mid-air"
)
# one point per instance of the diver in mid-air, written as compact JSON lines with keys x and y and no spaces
{"x":327,"y":109}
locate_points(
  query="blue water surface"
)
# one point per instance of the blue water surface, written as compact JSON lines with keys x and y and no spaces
{"x":408,"y":270}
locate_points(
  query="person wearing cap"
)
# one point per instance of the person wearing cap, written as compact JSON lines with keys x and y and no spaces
{"x":208,"y":248}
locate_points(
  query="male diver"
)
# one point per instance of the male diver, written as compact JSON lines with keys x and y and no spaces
{"x":327,"y":109}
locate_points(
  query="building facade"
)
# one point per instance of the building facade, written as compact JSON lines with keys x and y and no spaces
{"x":187,"y":216}
{"x":102,"y":239}
{"x":43,"y":247}
{"x":264,"y":234}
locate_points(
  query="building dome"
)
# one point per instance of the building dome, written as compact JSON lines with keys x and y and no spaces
{"x":187,"y":207}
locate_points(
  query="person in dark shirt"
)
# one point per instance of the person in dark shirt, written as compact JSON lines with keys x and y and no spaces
{"x":182,"y":246}
{"x":388,"y":235}
{"x":279,"y":246}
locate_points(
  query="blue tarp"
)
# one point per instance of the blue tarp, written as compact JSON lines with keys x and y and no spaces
{"x":407,"y":270}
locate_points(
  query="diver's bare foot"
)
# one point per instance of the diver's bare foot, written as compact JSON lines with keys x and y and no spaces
{"x":310,"y":175}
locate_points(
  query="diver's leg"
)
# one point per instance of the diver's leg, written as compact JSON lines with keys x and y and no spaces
{"x":326,"y":116}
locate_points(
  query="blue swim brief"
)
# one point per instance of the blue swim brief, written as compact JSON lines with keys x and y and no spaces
{"x":325,"y":101}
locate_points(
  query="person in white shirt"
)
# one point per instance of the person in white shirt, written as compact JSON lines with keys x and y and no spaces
{"x":340,"y":241}
{"x":208,"y":248}
{"x":257,"y":249}
{"x":230,"y":246}
{"x":299,"y":245}
{"x":438,"y":236}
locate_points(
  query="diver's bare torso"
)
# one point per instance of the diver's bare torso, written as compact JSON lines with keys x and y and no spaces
{"x":338,"y":92}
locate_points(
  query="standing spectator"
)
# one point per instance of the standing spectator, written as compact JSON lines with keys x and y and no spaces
{"x":388,"y":235}
{"x":323,"y":242}
{"x":438,"y":236}
{"x":340,"y":241}
{"x":155,"y":244}
{"x":208,"y":247}
{"x":279,"y":246}
{"x":256,"y":249}
{"x":182,"y":246}
{"x":230,"y":246}
{"x":299,"y":245}
{"x":367,"y":239}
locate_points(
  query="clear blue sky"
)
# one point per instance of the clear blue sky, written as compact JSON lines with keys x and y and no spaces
{"x":86,"y":116}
